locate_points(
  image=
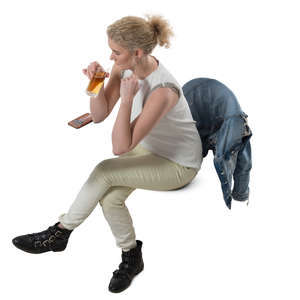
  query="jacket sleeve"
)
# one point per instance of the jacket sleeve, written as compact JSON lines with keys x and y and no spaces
{"x":232,"y":158}
{"x":241,"y":173}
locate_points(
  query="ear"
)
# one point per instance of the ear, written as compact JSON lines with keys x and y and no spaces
{"x":139,"y":53}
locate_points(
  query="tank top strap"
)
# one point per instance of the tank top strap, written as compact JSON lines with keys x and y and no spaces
{"x":171,"y":85}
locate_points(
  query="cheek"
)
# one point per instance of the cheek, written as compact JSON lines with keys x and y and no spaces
{"x":123,"y":59}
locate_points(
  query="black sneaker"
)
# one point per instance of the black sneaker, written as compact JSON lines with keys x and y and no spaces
{"x":53,"y":239}
{"x":131,"y":265}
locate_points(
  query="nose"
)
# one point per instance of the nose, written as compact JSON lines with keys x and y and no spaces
{"x":112,"y":56}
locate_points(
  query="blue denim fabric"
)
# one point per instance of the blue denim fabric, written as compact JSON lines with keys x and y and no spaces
{"x":223,"y":128}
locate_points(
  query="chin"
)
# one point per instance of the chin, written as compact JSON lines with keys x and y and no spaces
{"x":120,"y":65}
{"x":125,"y":67}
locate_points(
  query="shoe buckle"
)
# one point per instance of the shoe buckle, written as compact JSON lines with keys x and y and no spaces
{"x":58,"y":233}
{"x":51,"y":238}
{"x":37,"y":244}
{"x":45,"y":243}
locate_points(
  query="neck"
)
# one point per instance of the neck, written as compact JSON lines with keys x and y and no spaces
{"x":145,"y":67}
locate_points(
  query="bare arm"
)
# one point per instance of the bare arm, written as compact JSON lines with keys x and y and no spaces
{"x":102,"y":105}
{"x":98,"y":107}
{"x":159,"y":103}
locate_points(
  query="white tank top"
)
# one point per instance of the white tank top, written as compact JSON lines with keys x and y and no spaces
{"x":175,"y":136}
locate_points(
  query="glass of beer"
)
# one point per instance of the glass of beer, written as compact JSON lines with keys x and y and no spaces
{"x":96,"y":83}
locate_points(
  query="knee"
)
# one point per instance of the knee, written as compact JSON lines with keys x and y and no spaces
{"x":116,"y":196}
{"x":104,"y":166}
{"x":108,"y":203}
{"x":99,"y":171}
{"x":101,"y":165}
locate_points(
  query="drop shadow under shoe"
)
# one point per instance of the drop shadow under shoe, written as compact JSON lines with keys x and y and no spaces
{"x":131,"y":265}
{"x":52,"y":239}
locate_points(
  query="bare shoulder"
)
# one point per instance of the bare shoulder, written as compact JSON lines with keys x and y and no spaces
{"x":167,"y":94}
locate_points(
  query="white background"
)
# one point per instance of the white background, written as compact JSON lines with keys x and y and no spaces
{"x":194,"y":246}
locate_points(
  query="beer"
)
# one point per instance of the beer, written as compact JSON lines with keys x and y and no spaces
{"x":96,"y":84}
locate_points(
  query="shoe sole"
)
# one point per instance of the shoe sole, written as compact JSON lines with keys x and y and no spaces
{"x":31,"y":252}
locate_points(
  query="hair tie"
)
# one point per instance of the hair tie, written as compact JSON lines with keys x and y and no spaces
{"x":155,"y":28}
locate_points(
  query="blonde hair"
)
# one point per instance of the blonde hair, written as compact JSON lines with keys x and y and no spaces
{"x":134,"y":32}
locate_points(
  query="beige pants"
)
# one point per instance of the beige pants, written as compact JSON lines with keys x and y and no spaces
{"x":113,"y":180}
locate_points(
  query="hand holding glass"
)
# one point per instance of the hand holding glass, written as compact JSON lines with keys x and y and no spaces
{"x":97,"y":76}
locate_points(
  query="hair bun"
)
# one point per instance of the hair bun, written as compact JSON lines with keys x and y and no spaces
{"x":155,"y":26}
{"x":161,"y":29}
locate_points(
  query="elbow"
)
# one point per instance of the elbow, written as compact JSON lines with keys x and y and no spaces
{"x":98,"y":120}
{"x":98,"y":117}
{"x":119,"y":152}
{"x":116,"y":152}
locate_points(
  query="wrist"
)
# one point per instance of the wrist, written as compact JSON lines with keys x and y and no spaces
{"x":126,"y":100}
{"x":100,"y":94}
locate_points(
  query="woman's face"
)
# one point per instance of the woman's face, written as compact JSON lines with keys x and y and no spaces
{"x":121,"y":56}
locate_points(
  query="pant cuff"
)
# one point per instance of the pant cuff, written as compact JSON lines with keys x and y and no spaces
{"x":61,"y":220}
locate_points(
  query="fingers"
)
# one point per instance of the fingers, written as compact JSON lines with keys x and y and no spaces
{"x":132,"y":77}
{"x":92,"y":69}
{"x":131,"y":81}
{"x":87,"y":73}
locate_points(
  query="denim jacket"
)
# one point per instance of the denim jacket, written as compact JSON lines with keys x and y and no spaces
{"x":223,"y":128}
